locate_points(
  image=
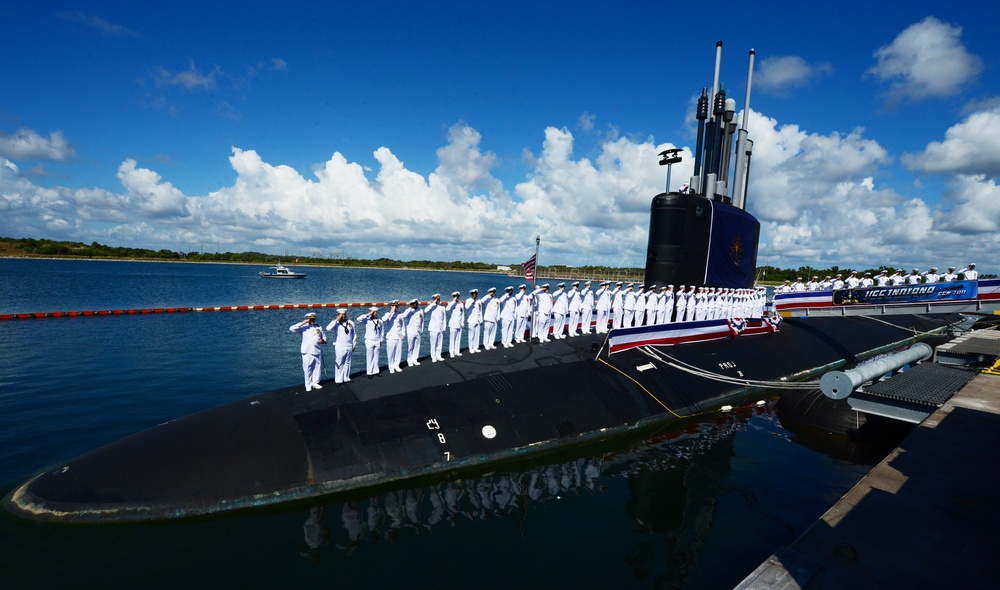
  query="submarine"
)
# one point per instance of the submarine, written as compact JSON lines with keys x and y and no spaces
{"x":500,"y":406}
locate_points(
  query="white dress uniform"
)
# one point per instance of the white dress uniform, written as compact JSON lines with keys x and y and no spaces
{"x":344,"y":341}
{"x":628,"y":305}
{"x":970,"y":274}
{"x":681,"y":299}
{"x":543,"y":312}
{"x":691,"y":305}
{"x":312,"y":355}
{"x":950,"y":275}
{"x":491,"y":315}
{"x":603,"y":307}
{"x":456,"y":318}
{"x":521,"y":313}
{"x":652,"y":300}
{"x":373,"y":340}
{"x":560,"y":307}
{"x":508,"y":304}
{"x":436,"y":325}
{"x":617,"y":306}
{"x":414,"y":318}
{"x":665,"y":310}
{"x":573,"y":297}
{"x":474,"y":320}
{"x":586,"y":308}
{"x":395,"y":333}
{"x":914,"y":278}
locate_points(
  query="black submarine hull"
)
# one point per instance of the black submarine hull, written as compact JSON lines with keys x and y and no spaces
{"x":434,"y":419}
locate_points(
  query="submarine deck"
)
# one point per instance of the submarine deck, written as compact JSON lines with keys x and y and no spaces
{"x":505,"y":403}
{"x":925,"y":517}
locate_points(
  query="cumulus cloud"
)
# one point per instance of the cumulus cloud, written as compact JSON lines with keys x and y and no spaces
{"x":782,"y":74}
{"x":971,"y":147}
{"x":926,"y":60}
{"x":27,"y":144}
{"x":818,"y":196}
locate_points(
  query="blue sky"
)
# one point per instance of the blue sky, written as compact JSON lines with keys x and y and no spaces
{"x":459,"y":131}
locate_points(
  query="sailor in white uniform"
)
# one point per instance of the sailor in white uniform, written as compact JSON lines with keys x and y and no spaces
{"x":373,"y":339}
{"x":691,"y":304}
{"x":560,"y":307}
{"x":970,"y":274}
{"x":456,"y":318}
{"x":543,"y":312}
{"x":898,"y":278}
{"x":931,"y":276}
{"x":838,"y":282}
{"x":414,"y":318}
{"x":436,"y":325}
{"x":474,"y":319}
{"x":628,"y":306}
{"x":867,"y":281}
{"x":521,"y":313}
{"x":508,"y":303}
{"x":681,"y":302}
{"x":395,"y":333}
{"x":573,"y":296}
{"x":491,"y":315}
{"x":652,"y":302}
{"x":914,"y":277}
{"x":603,"y":307}
{"x":586,"y":308}
{"x":344,"y":341}
{"x":882,"y":280}
{"x":665,"y":307}
{"x":312,"y":355}
{"x":950,"y":275}
{"x":617,"y":306}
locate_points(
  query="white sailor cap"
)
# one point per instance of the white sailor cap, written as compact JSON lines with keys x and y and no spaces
{"x":394,"y":302}
{"x":652,"y":286}
{"x":414,"y":302}
{"x":342,"y":310}
{"x":372,"y":308}
{"x":456,"y":294}
{"x":436,"y":296}
{"x":310,"y":315}
{"x":545,"y":286}
{"x":474,"y":291}
{"x":522,"y":286}
{"x":883,"y":272}
{"x":671,"y":286}
{"x":971,"y":264}
{"x":561,"y":285}
{"x":618,"y":283}
{"x":951,"y":268}
{"x":933,"y":268}
{"x":916,"y":270}
{"x":491,"y":290}
{"x":577,"y":283}
{"x":508,"y":288}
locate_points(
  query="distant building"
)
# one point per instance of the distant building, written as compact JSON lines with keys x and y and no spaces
{"x":503,"y":268}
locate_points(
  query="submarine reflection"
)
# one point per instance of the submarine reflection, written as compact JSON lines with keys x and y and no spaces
{"x":672,"y":479}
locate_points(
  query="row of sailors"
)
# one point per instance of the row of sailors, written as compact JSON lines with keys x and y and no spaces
{"x":884,"y":279}
{"x":564,"y":313}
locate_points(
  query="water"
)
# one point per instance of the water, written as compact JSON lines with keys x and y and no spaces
{"x":693,"y":508}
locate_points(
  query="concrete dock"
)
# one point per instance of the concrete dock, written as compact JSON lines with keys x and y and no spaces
{"x":928,"y":516}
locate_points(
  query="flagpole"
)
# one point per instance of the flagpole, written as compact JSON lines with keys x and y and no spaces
{"x":534,"y":284}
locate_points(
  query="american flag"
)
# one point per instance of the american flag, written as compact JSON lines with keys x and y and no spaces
{"x":529,"y":269}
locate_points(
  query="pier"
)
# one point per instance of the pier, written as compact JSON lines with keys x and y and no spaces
{"x":927,"y":516}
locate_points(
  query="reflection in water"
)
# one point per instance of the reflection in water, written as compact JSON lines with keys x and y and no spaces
{"x":672,"y":481}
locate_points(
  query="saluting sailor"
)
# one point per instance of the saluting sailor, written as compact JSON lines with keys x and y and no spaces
{"x":617,"y":305}
{"x":491,"y":315}
{"x":344,"y":341}
{"x":436,"y":325}
{"x":603,"y":307}
{"x":395,"y":333}
{"x":970,"y":274}
{"x":507,"y":306}
{"x":456,"y":317}
{"x":560,"y":307}
{"x":414,"y":318}
{"x":950,"y":275}
{"x":543,"y":313}
{"x":312,"y":355}
{"x":652,"y":301}
{"x":682,"y":303}
{"x":586,"y":308}
{"x":521,"y":313}
{"x":629,"y":306}
{"x":474,"y":320}
{"x":373,"y":339}
{"x":573,"y":316}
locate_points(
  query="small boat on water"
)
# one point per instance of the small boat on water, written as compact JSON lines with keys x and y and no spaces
{"x":282,"y":272}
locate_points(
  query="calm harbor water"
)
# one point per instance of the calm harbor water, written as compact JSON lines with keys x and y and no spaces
{"x":695,"y":507}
